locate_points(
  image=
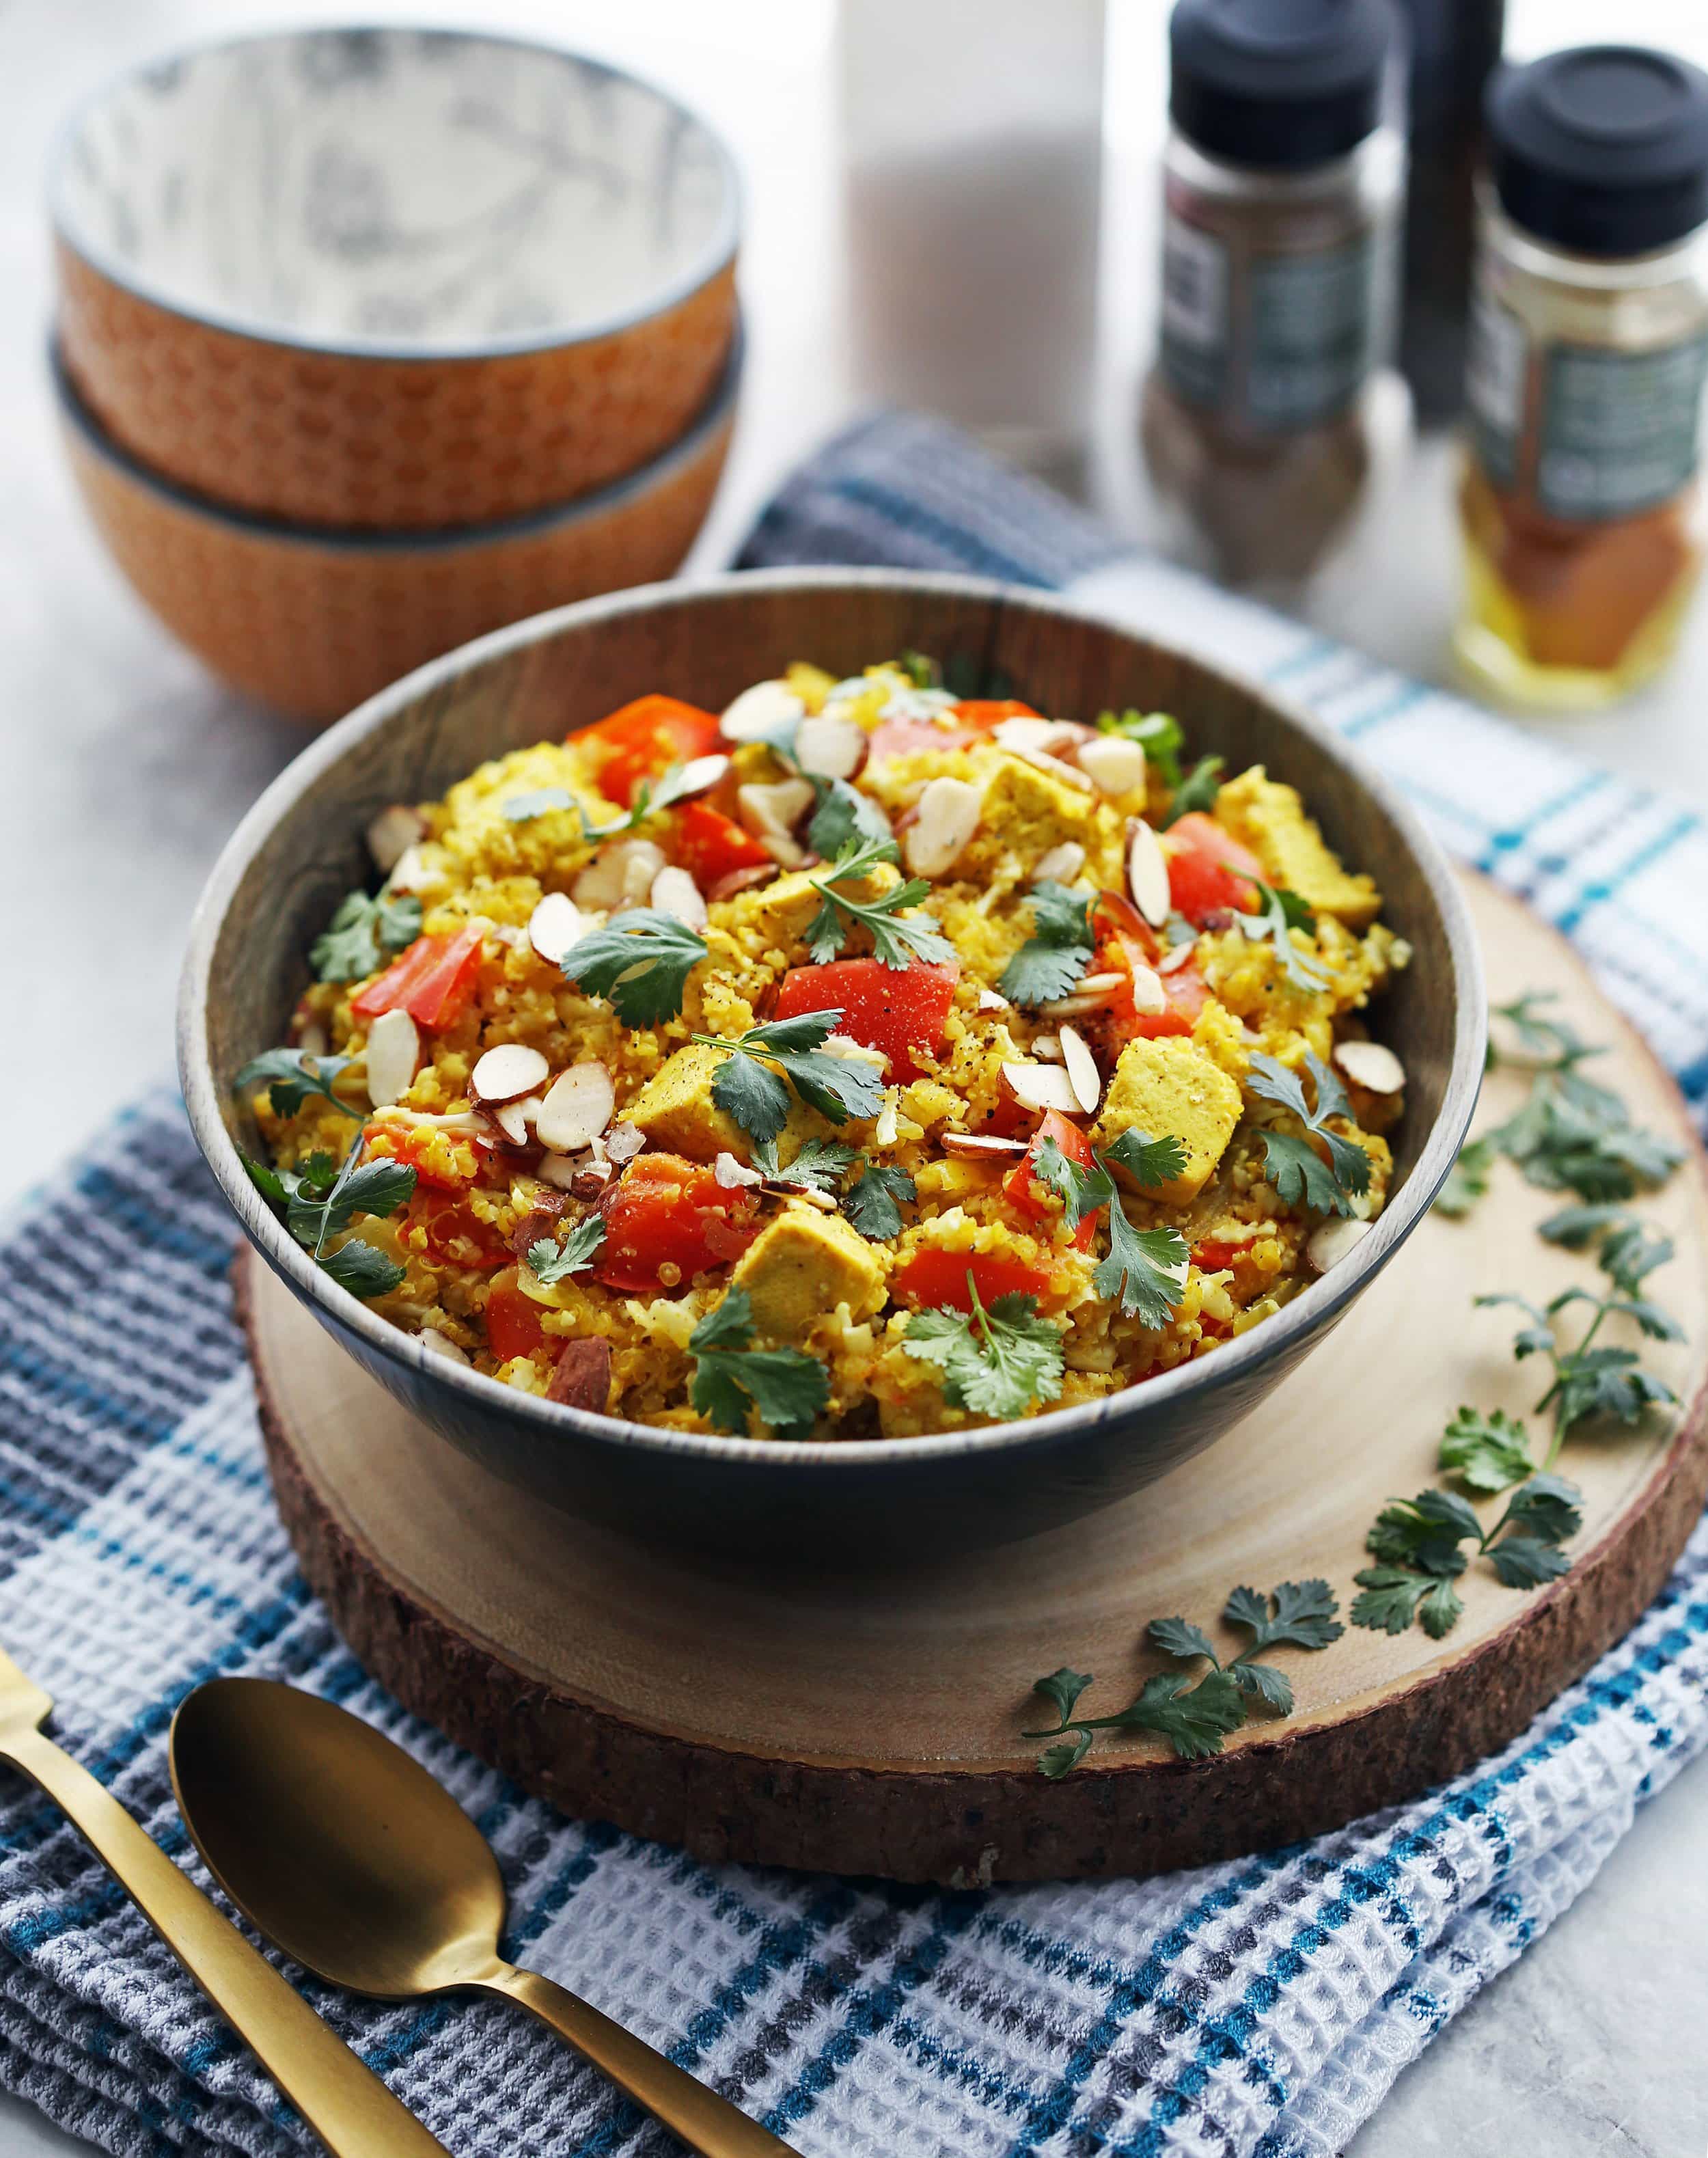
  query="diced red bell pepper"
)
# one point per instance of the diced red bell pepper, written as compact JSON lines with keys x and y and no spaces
{"x":668,"y":1212}
{"x":409,"y":1144}
{"x":896,"y":1009}
{"x":457,"y":1234}
{"x":1213,"y":1257}
{"x":933,"y":1277}
{"x":1183,"y":986}
{"x":1027,"y":1192}
{"x":1209,"y":871}
{"x":988,"y":712}
{"x":641,"y":740}
{"x":512,"y":1320}
{"x":711,"y":846}
{"x":432,"y":982}
{"x":903,"y":737}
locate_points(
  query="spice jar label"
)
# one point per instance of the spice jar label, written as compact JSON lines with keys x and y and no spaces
{"x":1495,"y":365}
{"x":1194,"y":338}
{"x":1618,"y":429}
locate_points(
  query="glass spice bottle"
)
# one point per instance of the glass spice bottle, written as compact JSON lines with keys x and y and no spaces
{"x":1578,"y":501}
{"x":1281,"y":185}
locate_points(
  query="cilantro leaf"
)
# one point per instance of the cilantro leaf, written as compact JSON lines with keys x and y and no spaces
{"x":1395,"y":1596}
{"x":1062,"y":1689}
{"x":874,"y":1201}
{"x":1304,"y":1616}
{"x":752,"y":1094}
{"x":1264,"y":1683}
{"x":1279,"y":913}
{"x":1292,"y":1166}
{"x":1056,"y":1762}
{"x":1197,"y":790}
{"x":994,"y":1362}
{"x":362,"y":1269}
{"x":1486,"y":1452}
{"x":1146,"y":1269}
{"x":539,"y":802}
{"x":363,"y":934}
{"x":1548,"y":1507}
{"x":639,"y":962}
{"x":895,"y":943}
{"x":265,"y":1178}
{"x":819,"y":1166}
{"x":747,"y":1089}
{"x":1194,"y":1720}
{"x":549,"y":1261}
{"x":1174,"y":1636}
{"x":378,"y":1187}
{"x":290,"y":1077}
{"x":1157,"y":734}
{"x":1468,"y":1180}
{"x":844,"y":818}
{"x":1524,"y":1562}
{"x":1148,"y":1161}
{"x":1424,"y":1532}
{"x":786,"y":1387}
{"x":1057,"y":952}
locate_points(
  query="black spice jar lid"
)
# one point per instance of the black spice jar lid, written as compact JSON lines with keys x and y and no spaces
{"x":1604,"y":150}
{"x":1278,"y":83}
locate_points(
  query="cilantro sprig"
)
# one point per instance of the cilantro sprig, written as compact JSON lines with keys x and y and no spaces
{"x":748,"y":1089}
{"x":1057,"y":952}
{"x":640,"y":962}
{"x":363,"y":933}
{"x":732,"y":1381}
{"x":1487,"y":1453}
{"x":1418,"y":1545}
{"x":874,"y":1201}
{"x":550,"y":1262}
{"x":1196,"y":1718}
{"x":291,"y":1076}
{"x":321,"y":1197}
{"x":1278,"y":914}
{"x":1159,"y":734}
{"x":995,"y":1362}
{"x":845,"y":818}
{"x":896,"y":941}
{"x":1292,"y":1164}
{"x":1197,"y":790}
{"x":1146,"y":1268}
{"x":820,"y":1165}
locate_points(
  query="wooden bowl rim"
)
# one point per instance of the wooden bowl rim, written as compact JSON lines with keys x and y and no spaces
{"x":1200,"y":1376}
{"x":719,"y":253}
{"x":358,"y":540}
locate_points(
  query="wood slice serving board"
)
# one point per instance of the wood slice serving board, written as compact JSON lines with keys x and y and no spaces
{"x":872,"y":1725}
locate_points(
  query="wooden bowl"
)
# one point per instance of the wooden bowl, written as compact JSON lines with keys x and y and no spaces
{"x":392,"y":278}
{"x":301,"y":849}
{"x":311,"y":621}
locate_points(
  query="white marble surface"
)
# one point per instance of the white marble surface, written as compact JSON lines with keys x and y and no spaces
{"x":128,"y":769}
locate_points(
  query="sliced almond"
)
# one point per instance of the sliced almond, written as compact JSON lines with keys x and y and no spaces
{"x":511,"y":1120}
{"x":1042,"y":1087}
{"x":726,"y":887}
{"x":580,"y":1378}
{"x":770,"y":811}
{"x":1147,"y":873}
{"x":508,"y":1072}
{"x":623,"y":1142}
{"x":1047,"y":1047}
{"x":981,"y":1143}
{"x":1026,"y":731}
{"x":441,"y":1346}
{"x":1371,"y":1064}
{"x":1328,"y":1245}
{"x":1061,"y":1007}
{"x":825,"y":1201}
{"x":1115,"y":764}
{"x":734,"y":1175}
{"x":312,"y":1039}
{"x":990,"y":1001}
{"x":559,"y":1170}
{"x":948,"y":817}
{"x":886,"y":1132}
{"x":1061,"y":865}
{"x":1082,"y":1073}
{"x":832,"y":747}
{"x":1092,"y":985}
{"x":394,"y":1052}
{"x":555,"y":924}
{"x":674,"y":892}
{"x":414,"y":872}
{"x":621,"y":874}
{"x":1068,"y":774}
{"x":1148,"y":994}
{"x":464,"y":1122}
{"x":699,"y":774}
{"x":392,"y":834}
{"x":761,"y":714}
{"x":1176,"y":957}
{"x":576,"y":1109}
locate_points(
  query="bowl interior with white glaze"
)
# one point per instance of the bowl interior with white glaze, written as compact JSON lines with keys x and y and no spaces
{"x":300,"y":850}
{"x":436,"y":191}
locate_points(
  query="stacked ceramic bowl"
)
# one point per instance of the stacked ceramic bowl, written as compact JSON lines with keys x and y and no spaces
{"x":370,"y":341}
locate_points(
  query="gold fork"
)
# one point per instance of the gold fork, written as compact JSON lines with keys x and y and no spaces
{"x":342,"y":2100}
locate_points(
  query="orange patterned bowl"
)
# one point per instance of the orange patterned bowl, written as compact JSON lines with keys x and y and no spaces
{"x":391,"y":278}
{"x":311,"y":622}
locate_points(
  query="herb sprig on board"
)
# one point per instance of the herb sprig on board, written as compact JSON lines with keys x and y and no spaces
{"x":1418,"y":1545}
{"x":1196,"y":1718}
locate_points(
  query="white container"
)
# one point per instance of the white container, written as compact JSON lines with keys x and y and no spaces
{"x":972,"y":171}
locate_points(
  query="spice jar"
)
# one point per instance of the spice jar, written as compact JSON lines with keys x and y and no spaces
{"x":1282,"y":182}
{"x":1589,"y":339}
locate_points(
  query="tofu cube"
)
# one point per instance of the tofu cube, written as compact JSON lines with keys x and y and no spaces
{"x":1171,"y":1085}
{"x":801,"y":1268}
{"x":676,"y":1111}
{"x":1271,"y":820}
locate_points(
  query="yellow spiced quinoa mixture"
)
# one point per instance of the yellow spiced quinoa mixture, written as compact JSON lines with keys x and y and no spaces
{"x":863,"y":1060}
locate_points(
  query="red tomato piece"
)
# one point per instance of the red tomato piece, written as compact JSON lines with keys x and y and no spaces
{"x":934,"y":1278}
{"x":710,"y":845}
{"x":896,"y":1009}
{"x":457,"y":1234}
{"x":1210,"y":872}
{"x":432,"y":982}
{"x":668,"y":1212}
{"x":1183,"y":986}
{"x":405,"y":1144}
{"x":988,"y":712}
{"x":1027,"y":1192}
{"x":1213,"y":1257}
{"x":512,"y":1321}
{"x":641,"y":740}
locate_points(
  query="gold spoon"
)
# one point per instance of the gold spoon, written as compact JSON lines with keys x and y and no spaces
{"x":339,"y":2096}
{"x":345,"y":1852}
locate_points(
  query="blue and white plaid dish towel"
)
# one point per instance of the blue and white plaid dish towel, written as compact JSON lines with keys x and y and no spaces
{"x":1263,"y":2007}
